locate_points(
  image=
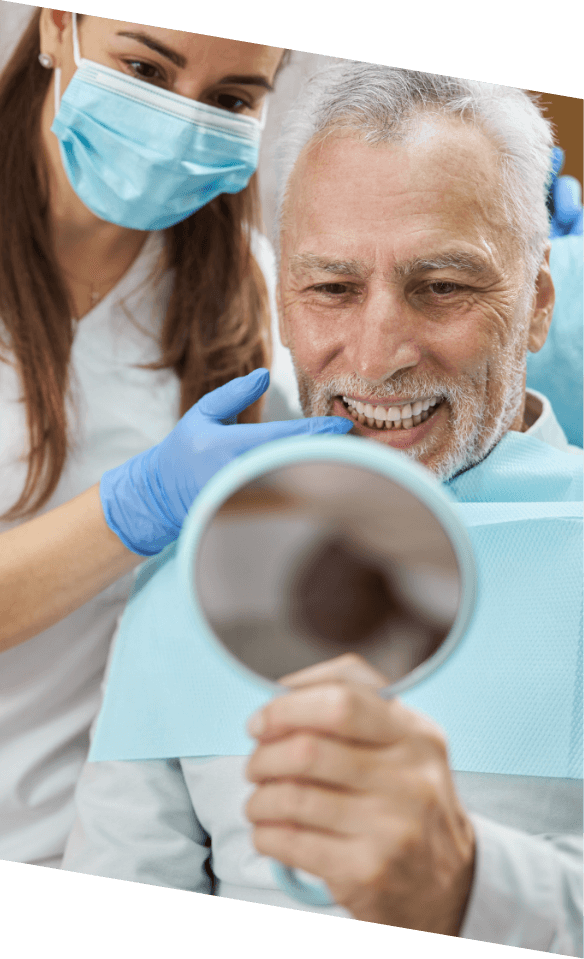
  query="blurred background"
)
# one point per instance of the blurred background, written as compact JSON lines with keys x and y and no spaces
{"x":565,"y":112}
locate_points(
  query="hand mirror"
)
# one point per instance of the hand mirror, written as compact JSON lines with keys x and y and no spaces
{"x":306,"y":549}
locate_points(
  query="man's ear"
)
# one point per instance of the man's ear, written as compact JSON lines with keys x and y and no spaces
{"x":543,"y":306}
{"x":282,"y":325}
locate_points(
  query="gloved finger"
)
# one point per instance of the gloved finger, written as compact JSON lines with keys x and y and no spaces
{"x":303,"y":427}
{"x":567,"y":200}
{"x":233,"y":397}
{"x":557,"y":160}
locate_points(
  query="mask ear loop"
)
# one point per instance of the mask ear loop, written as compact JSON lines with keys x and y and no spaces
{"x":76,"y":58}
{"x":264,"y":114}
{"x":76,"y":53}
{"x":57,"y":89}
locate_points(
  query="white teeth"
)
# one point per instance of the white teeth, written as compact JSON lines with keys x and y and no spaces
{"x":396,"y":417}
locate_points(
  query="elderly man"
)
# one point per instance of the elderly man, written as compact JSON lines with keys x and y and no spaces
{"x":414,"y":278}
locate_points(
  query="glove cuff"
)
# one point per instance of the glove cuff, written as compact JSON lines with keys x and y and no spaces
{"x":131,"y":508}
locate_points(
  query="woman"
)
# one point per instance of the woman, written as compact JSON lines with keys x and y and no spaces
{"x":128,"y":293}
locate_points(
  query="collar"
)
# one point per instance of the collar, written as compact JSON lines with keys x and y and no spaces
{"x":542,"y":422}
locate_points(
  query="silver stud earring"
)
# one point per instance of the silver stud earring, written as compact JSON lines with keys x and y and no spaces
{"x":46,"y":61}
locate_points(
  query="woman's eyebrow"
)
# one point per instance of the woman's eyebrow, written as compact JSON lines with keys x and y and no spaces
{"x":254,"y":80}
{"x":152,"y":44}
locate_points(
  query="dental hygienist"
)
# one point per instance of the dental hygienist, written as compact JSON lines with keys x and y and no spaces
{"x":129,"y":297}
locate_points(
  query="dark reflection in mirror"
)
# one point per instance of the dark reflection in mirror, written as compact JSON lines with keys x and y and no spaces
{"x":319,"y":559}
{"x":343,"y":598}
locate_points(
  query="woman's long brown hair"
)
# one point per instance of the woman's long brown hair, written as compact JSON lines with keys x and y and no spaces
{"x":217,"y":323}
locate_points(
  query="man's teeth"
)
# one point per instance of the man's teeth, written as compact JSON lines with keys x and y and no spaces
{"x":393,"y":417}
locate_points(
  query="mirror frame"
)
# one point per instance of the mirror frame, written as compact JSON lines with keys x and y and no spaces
{"x":350,"y":450}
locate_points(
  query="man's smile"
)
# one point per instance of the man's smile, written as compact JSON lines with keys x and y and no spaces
{"x":396,"y":425}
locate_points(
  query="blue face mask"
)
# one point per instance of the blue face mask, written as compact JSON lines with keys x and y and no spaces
{"x":143,"y":157}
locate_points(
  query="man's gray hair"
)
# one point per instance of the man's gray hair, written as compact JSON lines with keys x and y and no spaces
{"x":382,"y":104}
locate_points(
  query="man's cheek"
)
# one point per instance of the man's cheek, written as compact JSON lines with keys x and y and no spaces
{"x":500,"y":321}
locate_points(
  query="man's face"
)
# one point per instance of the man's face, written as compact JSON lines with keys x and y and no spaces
{"x":403,"y":296}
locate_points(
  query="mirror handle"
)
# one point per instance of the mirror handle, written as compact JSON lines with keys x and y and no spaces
{"x":311,"y":894}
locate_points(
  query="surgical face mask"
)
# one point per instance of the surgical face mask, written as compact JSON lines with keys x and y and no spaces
{"x":143,"y":157}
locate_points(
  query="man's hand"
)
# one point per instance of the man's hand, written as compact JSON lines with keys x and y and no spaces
{"x":357,"y":790}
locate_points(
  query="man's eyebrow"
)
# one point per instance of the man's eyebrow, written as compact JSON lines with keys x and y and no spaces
{"x":458,"y":260}
{"x":251,"y":80}
{"x":462,"y":260}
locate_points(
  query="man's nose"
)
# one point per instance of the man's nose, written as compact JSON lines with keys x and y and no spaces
{"x":385,"y":339}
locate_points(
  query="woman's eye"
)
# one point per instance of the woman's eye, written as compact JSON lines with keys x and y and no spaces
{"x":145,"y":71}
{"x":228,"y":101}
{"x":148,"y":72}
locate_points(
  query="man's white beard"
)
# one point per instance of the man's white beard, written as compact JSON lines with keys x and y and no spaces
{"x":473,"y":432}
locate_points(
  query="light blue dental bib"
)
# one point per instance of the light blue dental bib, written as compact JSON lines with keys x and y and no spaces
{"x":509,"y":697}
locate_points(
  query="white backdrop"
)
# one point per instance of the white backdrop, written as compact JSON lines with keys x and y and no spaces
{"x":15,"y":16}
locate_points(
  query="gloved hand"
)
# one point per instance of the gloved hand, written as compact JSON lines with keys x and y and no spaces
{"x":565,"y":200}
{"x":145,"y":500}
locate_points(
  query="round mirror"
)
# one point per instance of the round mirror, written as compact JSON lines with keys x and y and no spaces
{"x":317,"y":559}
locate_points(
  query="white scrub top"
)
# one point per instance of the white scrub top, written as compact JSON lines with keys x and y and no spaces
{"x":50,"y":685}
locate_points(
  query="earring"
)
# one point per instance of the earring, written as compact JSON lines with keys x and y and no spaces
{"x":46,"y":61}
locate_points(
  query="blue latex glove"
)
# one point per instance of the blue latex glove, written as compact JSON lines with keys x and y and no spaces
{"x":145,"y":500}
{"x":565,"y":200}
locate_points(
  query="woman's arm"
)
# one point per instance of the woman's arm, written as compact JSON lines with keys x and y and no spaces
{"x":52,"y":564}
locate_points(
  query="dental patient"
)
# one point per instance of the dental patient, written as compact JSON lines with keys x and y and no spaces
{"x":413,"y":281}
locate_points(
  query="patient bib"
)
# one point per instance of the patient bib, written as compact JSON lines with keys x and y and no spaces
{"x":510,"y":696}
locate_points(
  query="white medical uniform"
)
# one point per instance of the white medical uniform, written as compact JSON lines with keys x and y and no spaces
{"x":50,"y":685}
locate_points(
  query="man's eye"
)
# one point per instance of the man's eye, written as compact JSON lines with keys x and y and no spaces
{"x":443,"y":288}
{"x":332,"y":289}
{"x":440,"y":289}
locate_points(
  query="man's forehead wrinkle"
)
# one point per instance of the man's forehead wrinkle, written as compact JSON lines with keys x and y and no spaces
{"x":464,"y":261}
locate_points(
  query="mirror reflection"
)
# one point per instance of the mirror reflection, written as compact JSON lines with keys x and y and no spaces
{"x":318,"y":559}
